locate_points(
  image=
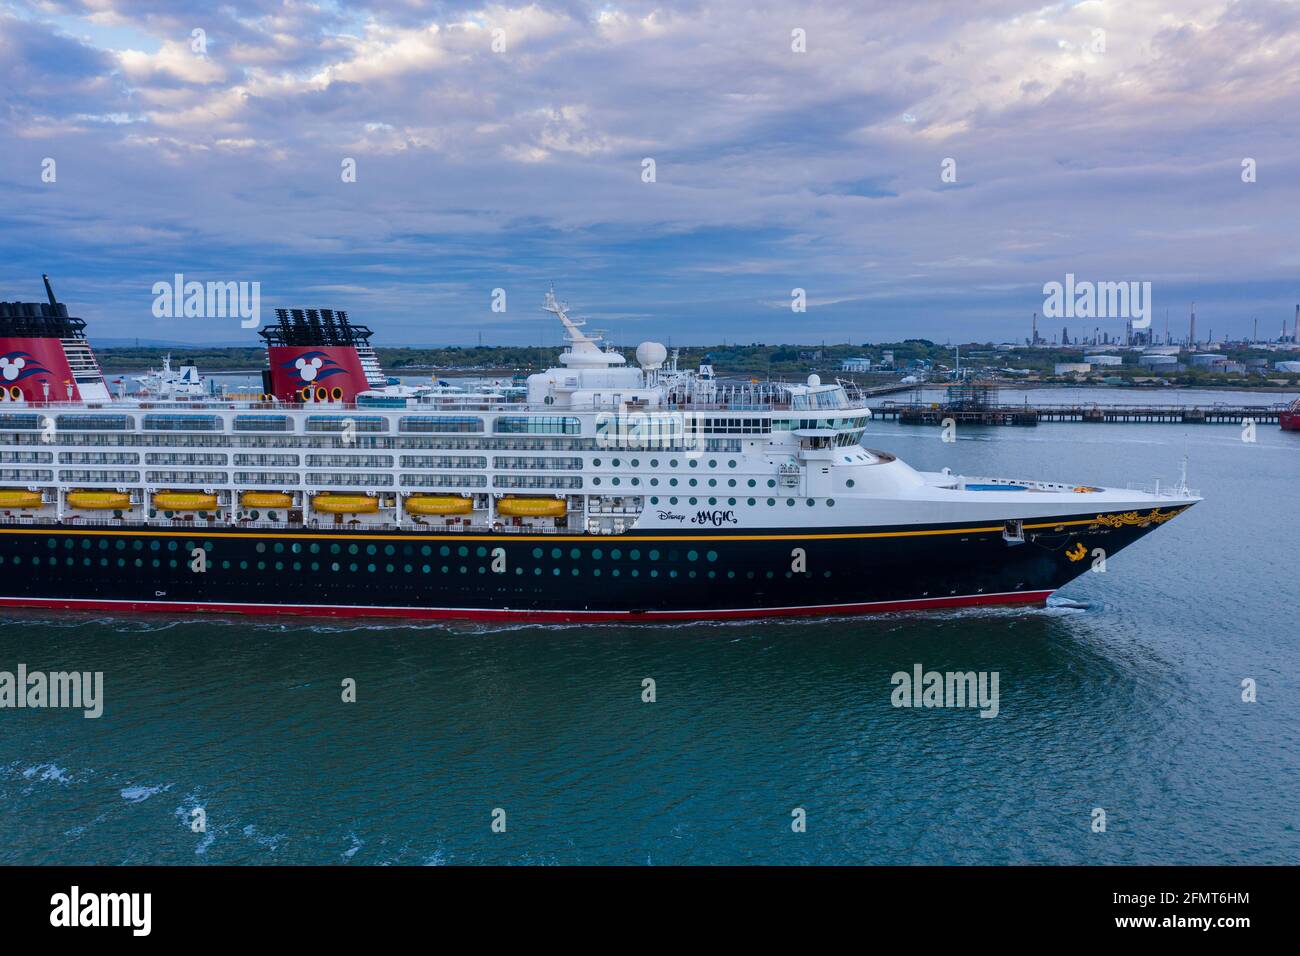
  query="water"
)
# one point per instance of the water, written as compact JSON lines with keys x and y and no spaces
{"x":1124,"y":695}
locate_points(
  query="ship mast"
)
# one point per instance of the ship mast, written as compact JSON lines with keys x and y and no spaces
{"x":583,"y":352}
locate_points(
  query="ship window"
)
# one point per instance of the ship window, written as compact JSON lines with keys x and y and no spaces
{"x":261,"y":423}
{"x":29,"y":422}
{"x":99,"y":422}
{"x":178,"y":423}
{"x":439,"y":423}
{"x":544,"y":425}
{"x":339,"y":423}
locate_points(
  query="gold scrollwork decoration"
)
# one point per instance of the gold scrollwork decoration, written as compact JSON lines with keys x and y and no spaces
{"x":1155,"y":516}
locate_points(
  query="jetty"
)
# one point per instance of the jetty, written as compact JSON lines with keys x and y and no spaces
{"x":921,"y":413}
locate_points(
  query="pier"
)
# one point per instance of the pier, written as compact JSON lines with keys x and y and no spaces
{"x":918,"y":413}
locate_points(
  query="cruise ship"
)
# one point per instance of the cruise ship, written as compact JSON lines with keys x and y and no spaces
{"x":599,"y":490}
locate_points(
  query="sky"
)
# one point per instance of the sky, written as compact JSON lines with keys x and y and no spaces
{"x":795,"y":146}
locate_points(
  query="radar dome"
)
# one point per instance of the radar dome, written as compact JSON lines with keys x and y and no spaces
{"x":814,"y":380}
{"x":651,"y":354}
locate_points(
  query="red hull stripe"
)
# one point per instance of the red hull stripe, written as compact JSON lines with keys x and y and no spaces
{"x":525,"y":614}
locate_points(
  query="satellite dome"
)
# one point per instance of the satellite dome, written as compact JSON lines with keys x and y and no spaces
{"x":651,"y":355}
{"x":814,"y":380}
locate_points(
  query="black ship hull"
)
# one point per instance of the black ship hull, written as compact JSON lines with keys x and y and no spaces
{"x":555,"y":577}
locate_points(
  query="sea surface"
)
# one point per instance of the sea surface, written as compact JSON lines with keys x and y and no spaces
{"x":1124,"y":695}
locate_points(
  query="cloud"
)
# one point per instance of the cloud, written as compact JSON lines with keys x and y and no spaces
{"x":1099,"y":138}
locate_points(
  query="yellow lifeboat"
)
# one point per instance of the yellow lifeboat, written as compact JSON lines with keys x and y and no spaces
{"x":345,"y":504}
{"x":266,"y":499}
{"x":438,"y":505}
{"x":18,"y":498}
{"x":532,"y":507}
{"x":184,"y":501}
{"x":99,"y":500}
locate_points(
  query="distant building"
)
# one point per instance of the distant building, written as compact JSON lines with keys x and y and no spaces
{"x":855,"y":365}
{"x":1158,"y":360}
{"x":1104,"y":359}
{"x":1287,"y":366}
{"x":1072,"y":368}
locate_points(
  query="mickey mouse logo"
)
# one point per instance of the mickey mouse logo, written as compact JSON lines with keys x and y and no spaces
{"x":11,"y":369}
{"x":16,"y":366}
{"x":307,"y":369}
{"x":313,"y":367}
